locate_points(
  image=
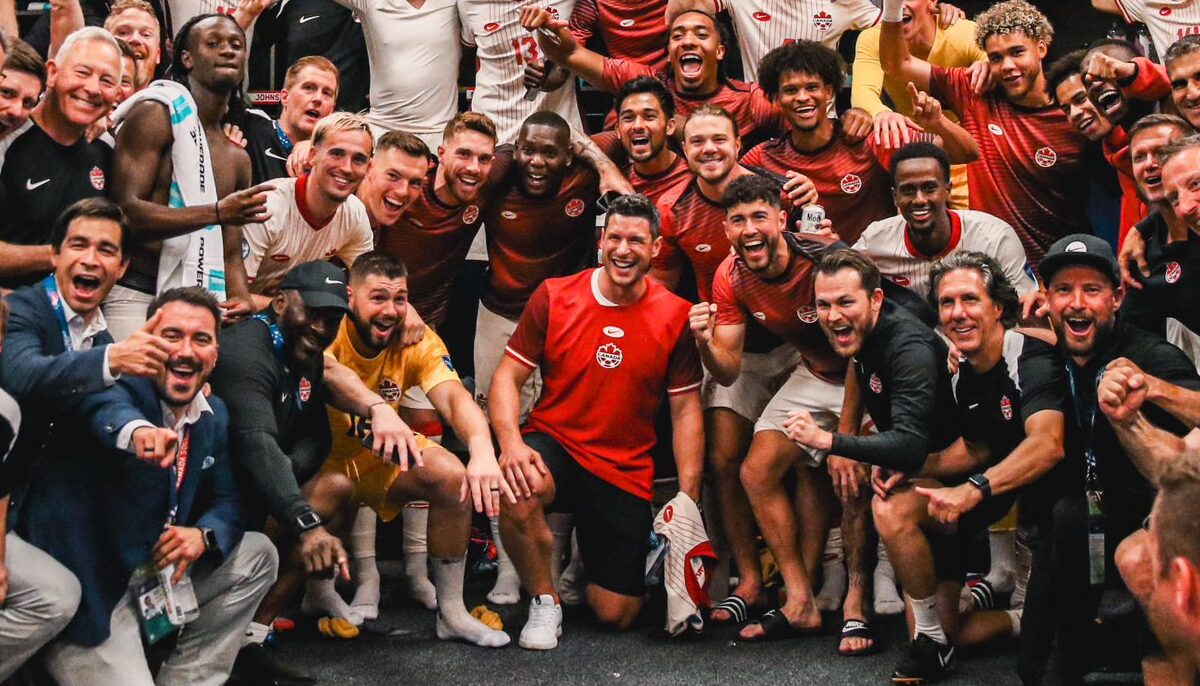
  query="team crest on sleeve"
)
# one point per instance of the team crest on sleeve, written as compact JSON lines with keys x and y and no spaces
{"x":96,"y":176}
{"x":305,"y":390}
{"x":471,"y":214}
{"x":807,"y":314}
{"x":851,"y":184}
{"x":1174,"y":271}
{"x":1045,"y":157}
{"x":389,"y":390}
{"x":574,"y":208}
{"x":609,"y":356}
{"x":449,"y":364}
{"x":822,"y":21}
{"x":875,"y":384}
{"x":1006,"y":407}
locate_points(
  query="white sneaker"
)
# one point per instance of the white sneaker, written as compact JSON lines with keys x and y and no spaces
{"x":544,"y":626}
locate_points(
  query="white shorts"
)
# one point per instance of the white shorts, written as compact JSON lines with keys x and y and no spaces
{"x":804,"y":391}
{"x":415,"y":399}
{"x":762,"y":375}
{"x":431,"y":140}
{"x":125,"y":311}
{"x":491,"y":336}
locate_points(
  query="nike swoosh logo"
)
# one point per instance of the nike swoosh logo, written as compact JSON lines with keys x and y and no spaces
{"x":972,"y":407}
{"x":335,"y":283}
{"x":30,"y":185}
{"x":304,"y":19}
{"x":270,"y":152}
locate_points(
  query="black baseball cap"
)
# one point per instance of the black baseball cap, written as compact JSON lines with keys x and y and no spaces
{"x":1080,"y":248}
{"x":320,"y":285}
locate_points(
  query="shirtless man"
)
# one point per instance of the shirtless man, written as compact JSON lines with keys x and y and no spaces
{"x":210,"y":60}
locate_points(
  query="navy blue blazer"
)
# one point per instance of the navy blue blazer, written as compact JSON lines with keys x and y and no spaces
{"x":45,"y":378}
{"x":99,"y":511}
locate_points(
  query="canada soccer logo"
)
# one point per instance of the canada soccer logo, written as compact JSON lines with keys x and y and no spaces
{"x":1006,"y":407}
{"x":470,"y":214}
{"x":609,"y":356}
{"x":807,"y":314}
{"x":389,"y":391}
{"x":96,"y":176}
{"x":305,"y":389}
{"x":822,"y":21}
{"x":1045,"y":157}
{"x":876,"y":384}
{"x":574,"y":208}
{"x":851,"y":184}
{"x":1174,"y":271}
{"x":761,"y":16}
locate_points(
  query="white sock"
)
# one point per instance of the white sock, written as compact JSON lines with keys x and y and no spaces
{"x":833,"y":573}
{"x":256,"y":633}
{"x":571,"y":583}
{"x":560,"y":529}
{"x":321,"y":599}
{"x":925,"y":618}
{"x":887,"y":598}
{"x":416,"y":554}
{"x":1024,"y":567}
{"x":1002,"y":545}
{"x":364,"y":570}
{"x":454,"y":622}
{"x":507,"y":590}
{"x":1014,"y":616}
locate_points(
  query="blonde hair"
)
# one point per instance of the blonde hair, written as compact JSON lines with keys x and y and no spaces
{"x":337,"y":122}
{"x":121,"y":5}
{"x":314,"y":61}
{"x":1013,"y":16}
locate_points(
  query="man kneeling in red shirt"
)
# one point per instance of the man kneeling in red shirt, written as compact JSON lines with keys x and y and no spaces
{"x":609,"y":343}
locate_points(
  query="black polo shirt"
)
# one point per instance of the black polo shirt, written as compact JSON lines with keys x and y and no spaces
{"x":1172,"y":291}
{"x":267,"y":150}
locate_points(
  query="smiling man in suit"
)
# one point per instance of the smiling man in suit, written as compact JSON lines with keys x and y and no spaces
{"x":148,"y":481}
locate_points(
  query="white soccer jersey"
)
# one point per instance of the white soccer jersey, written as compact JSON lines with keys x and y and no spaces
{"x":288,"y":239}
{"x":180,"y":11}
{"x":887,"y":243}
{"x":1167,"y":20}
{"x":763,"y":25}
{"x":503,"y":48}
{"x":413,"y":54}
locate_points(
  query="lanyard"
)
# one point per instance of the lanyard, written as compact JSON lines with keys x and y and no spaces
{"x":60,"y":314}
{"x":179,"y":471}
{"x":284,"y":141}
{"x":277,"y":342}
{"x":1089,"y":426}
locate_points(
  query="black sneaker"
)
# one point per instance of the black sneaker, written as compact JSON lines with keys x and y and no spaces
{"x":256,"y":666}
{"x":927,"y":662}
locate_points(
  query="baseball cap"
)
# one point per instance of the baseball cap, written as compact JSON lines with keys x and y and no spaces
{"x":1080,"y":248}
{"x":320,"y":284}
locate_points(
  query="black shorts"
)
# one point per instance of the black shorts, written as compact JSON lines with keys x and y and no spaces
{"x":612,"y":525}
{"x":950,"y":551}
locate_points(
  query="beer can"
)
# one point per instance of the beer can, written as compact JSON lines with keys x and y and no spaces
{"x":811,"y":217}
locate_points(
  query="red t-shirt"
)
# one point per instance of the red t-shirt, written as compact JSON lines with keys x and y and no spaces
{"x":785,"y":306}
{"x":1032,"y":171}
{"x":605,"y":368}
{"x":755,"y":114}
{"x":650,"y":186}
{"x":634,"y":30}
{"x":529,"y":241}
{"x":853,"y":183}
{"x":433,"y":239}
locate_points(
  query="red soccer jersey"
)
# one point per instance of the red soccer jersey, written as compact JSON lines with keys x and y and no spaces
{"x":756,"y":116}
{"x":853,"y":183}
{"x":1133,"y":210}
{"x":650,"y":186}
{"x":530,"y":241}
{"x":1032,"y":170}
{"x":604,"y":370}
{"x":693,"y":230}
{"x":433,"y":239}
{"x":633,"y":30}
{"x":785,"y":306}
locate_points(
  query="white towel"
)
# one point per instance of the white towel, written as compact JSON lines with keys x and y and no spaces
{"x":196,"y":258}
{"x":690,"y":560}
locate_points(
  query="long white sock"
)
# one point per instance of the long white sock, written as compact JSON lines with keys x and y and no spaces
{"x":507,"y":590}
{"x":833,"y":573}
{"x":454,"y":622}
{"x":560,"y":529}
{"x":321,"y":599}
{"x":925,"y":618}
{"x":364,"y":571}
{"x":416,"y":554}
{"x":1014,"y":616}
{"x":1024,"y":567}
{"x":571,"y":583}
{"x":887,"y":598}
{"x":1002,"y":573}
{"x":256,"y":633}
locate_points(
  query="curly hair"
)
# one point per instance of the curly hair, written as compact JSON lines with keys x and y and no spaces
{"x":806,"y":57}
{"x":1013,"y":16}
{"x":179,"y":74}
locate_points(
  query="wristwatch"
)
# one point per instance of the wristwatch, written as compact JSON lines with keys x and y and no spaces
{"x":981,"y":482}
{"x":210,"y":539}
{"x":308,"y":521}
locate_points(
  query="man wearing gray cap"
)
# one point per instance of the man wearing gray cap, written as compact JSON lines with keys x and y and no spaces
{"x":276,"y":381}
{"x":1117,"y":486}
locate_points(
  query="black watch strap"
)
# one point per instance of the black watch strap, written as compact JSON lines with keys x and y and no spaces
{"x":307,"y":521}
{"x":210,"y":539}
{"x":981,"y":482}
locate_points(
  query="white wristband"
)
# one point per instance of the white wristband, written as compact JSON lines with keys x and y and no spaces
{"x":893,"y":11}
